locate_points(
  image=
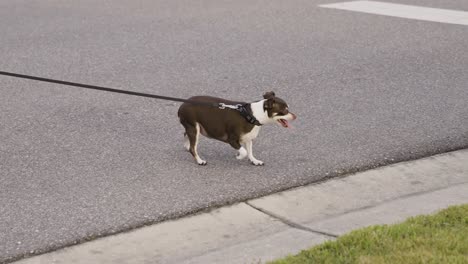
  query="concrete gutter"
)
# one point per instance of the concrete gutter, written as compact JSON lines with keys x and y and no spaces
{"x":285,"y":223}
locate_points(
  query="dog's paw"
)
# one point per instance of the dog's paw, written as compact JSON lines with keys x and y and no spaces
{"x":202,"y":162}
{"x":241,"y":154}
{"x":257,"y":162}
{"x":187,"y":146}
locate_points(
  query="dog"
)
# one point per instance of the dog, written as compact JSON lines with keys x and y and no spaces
{"x":236,"y":127}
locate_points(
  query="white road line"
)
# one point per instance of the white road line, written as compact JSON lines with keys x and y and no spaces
{"x":404,"y":11}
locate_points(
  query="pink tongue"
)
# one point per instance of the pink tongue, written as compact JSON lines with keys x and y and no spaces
{"x":285,"y":123}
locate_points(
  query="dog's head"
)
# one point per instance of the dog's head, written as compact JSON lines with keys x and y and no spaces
{"x":277,"y":109}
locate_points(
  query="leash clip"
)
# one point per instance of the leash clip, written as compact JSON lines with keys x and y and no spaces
{"x":224,"y":106}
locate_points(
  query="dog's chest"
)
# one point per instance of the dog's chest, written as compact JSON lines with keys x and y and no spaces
{"x":250,"y":135}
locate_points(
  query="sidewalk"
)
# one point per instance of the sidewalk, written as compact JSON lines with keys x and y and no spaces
{"x":284,"y":223}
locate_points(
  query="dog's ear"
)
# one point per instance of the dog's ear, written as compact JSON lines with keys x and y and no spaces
{"x":269,"y":95}
{"x":269,"y":103}
{"x":270,"y":100}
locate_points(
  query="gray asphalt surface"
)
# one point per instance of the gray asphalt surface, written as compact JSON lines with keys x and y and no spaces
{"x":368,"y":90}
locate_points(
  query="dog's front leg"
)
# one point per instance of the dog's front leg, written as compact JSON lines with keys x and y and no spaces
{"x":252,"y":159}
{"x":241,"y":153}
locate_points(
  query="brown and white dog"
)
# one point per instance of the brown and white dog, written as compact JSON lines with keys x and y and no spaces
{"x":228,"y":125}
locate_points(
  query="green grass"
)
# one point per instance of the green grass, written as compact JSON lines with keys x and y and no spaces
{"x":439,"y":238}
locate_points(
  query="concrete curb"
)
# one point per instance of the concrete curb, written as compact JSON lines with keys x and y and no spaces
{"x":285,"y":223}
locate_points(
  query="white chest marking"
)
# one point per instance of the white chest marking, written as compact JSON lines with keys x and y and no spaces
{"x":251,"y":135}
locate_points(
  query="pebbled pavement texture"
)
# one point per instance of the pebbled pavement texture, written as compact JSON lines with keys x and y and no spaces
{"x":74,"y":164}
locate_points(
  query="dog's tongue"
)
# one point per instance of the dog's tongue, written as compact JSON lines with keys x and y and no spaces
{"x":284,"y":123}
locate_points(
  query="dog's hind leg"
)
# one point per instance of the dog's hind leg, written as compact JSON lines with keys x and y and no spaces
{"x":193,"y":134}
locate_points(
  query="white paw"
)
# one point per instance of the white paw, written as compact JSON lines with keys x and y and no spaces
{"x":241,"y":154}
{"x":187,"y":145}
{"x":257,"y":162}
{"x":202,"y":162}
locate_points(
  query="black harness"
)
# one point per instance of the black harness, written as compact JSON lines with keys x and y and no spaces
{"x":246,"y":111}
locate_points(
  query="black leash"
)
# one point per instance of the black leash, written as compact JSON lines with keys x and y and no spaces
{"x":101,"y":88}
{"x":241,"y":108}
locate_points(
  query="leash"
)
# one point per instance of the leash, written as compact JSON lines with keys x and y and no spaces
{"x":239,"y":107}
{"x":101,"y":88}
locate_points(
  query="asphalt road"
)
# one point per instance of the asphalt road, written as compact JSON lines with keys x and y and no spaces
{"x":368,"y":90}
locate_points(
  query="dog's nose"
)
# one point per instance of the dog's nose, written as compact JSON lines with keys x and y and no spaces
{"x":294,"y":116}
